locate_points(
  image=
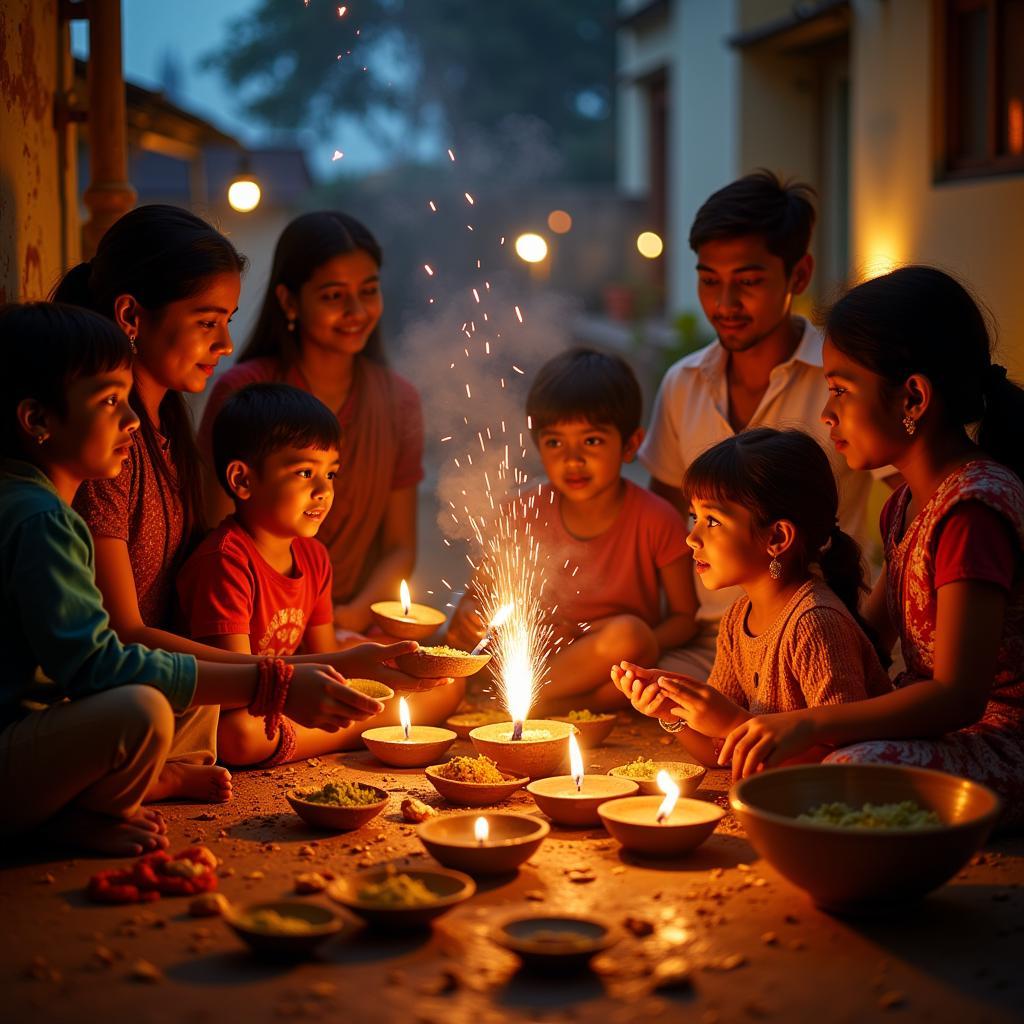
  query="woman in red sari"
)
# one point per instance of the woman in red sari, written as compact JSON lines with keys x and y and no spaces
{"x":908,"y":361}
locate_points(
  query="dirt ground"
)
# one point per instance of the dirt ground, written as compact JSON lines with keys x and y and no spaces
{"x":754,"y":947}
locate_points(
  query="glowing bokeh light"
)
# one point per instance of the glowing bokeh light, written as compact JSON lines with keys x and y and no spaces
{"x":531,"y":247}
{"x":649,"y":244}
{"x":244,"y":195}
{"x":560,"y":222}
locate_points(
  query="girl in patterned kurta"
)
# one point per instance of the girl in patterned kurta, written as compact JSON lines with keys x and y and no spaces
{"x":908,"y":362}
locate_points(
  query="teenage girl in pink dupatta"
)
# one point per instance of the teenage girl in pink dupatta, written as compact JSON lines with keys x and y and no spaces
{"x":319,"y":329}
{"x":908,"y":361}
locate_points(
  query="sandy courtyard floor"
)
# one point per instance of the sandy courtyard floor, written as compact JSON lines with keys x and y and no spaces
{"x":754,"y":946}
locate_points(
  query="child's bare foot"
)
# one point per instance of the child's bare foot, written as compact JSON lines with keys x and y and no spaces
{"x":206,"y":783}
{"x":115,"y":837}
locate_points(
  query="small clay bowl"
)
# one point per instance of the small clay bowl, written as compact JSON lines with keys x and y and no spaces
{"x":450,"y":888}
{"x":633,"y":822}
{"x":323,"y":923}
{"x":863,"y":870}
{"x":465,"y":722}
{"x":565,"y":942}
{"x":594,"y":731}
{"x":371,"y":688}
{"x":558,"y":799}
{"x":421,"y":622}
{"x":536,"y":758}
{"x":425,"y":665}
{"x":514,"y":838}
{"x":686,"y":775}
{"x":337,"y":819}
{"x":424,"y":746}
{"x":474,"y":794}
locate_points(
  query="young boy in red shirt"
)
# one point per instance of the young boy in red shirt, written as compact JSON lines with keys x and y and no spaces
{"x":615,"y":554}
{"x":260,"y":583}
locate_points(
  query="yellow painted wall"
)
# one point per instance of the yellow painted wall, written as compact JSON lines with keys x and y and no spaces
{"x":38,"y":223}
{"x":973,"y":229}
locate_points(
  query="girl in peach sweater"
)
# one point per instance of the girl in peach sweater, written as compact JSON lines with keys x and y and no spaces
{"x":764,"y":507}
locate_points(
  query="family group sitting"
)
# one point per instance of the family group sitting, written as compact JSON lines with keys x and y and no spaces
{"x":147,"y":654}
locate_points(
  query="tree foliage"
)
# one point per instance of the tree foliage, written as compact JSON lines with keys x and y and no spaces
{"x":451,"y":68}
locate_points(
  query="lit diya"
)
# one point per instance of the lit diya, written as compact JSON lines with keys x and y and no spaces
{"x":406,"y":746}
{"x":524,"y":746}
{"x":660,"y":827}
{"x":404,"y":619}
{"x":574,"y":799}
{"x":491,"y":844}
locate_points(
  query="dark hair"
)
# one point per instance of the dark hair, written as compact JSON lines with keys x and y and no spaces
{"x":46,"y":346}
{"x":921,"y":320}
{"x":782,"y":213}
{"x":158,"y":255}
{"x":785,"y":474}
{"x":583,"y":384}
{"x":307,"y":243}
{"x":260,"y":419}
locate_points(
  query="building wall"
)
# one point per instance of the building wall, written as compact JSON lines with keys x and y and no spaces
{"x":974,"y":229}
{"x":38,"y":223}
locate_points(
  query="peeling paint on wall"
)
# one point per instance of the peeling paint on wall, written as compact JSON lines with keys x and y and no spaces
{"x":31,"y":189}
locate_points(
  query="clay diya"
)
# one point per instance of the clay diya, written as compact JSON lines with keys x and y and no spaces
{"x":474,"y":794}
{"x":593,"y":729}
{"x":285,"y":928}
{"x":554,"y":943}
{"x":574,"y":799}
{"x":334,"y":817}
{"x":464,"y":722}
{"x":406,"y":620}
{"x":438,"y":662}
{"x":686,"y":775}
{"x":371,"y":688}
{"x":490,"y":844}
{"x":438,"y":891}
{"x":535,"y":747}
{"x":658,"y":827}
{"x":406,"y":746}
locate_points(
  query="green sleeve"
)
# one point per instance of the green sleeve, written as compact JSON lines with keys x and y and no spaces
{"x":63,"y":620}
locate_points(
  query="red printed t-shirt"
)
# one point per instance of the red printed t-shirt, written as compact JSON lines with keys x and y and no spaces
{"x":140,"y":507}
{"x":227,"y":587}
{"x":615,"y":573}
{"x":974,"y":543}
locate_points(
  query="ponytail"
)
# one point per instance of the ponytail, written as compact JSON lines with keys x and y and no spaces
{"x":842,"y":568}
{"x":1000,"y":430}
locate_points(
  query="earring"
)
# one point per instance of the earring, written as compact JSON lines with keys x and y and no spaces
{"x":41,"y":438}
{"x":909,"y":425}
{"x":291,"y":324}
{"x":131,"y":342}
{"x":775,"y":569}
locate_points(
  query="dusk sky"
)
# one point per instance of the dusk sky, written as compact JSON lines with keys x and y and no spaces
{"x":188,"y":29}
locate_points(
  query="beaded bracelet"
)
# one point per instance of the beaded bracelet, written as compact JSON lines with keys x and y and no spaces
{"x":275,"y":676}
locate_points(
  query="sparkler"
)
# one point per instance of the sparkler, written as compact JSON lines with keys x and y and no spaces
{"x":496,"y":623}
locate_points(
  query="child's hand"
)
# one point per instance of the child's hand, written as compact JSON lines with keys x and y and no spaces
{"x":319,"y":699}
{"x":647,"y":697}
{"x":704,"y":708}
{"x":467,"y":627}
{"x":375,"y":661}
{"x":768,"y":740}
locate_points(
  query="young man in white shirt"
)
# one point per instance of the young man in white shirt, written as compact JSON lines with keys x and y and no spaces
{"x":764,"y":370}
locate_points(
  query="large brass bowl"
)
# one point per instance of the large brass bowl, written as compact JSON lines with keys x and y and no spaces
{"x":850,"y":870}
